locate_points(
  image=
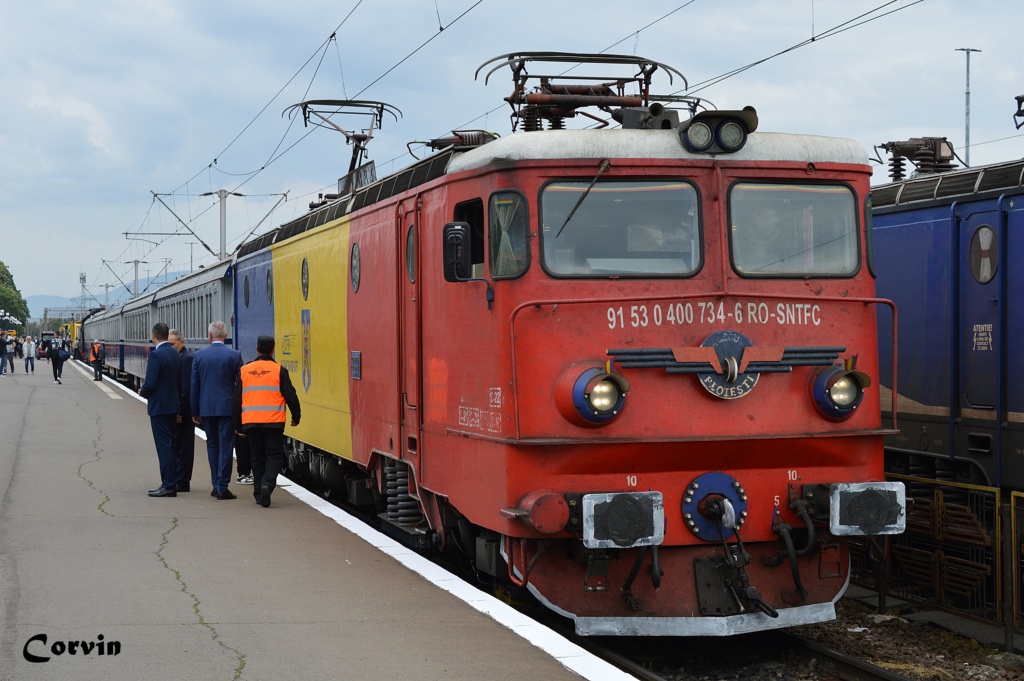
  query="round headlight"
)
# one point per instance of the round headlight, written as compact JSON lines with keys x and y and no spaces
{"x":731,"y":135}
{"x":591,"y":398}
{"x":699,"y":136}
{"x":604,"y":397}
{"x":838,"y":391}
{"x":844,"y":392}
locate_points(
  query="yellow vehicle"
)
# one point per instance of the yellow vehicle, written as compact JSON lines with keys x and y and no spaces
{"x":73,"y":332}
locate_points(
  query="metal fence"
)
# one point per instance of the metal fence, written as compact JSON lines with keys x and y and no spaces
{"x":949,"y":556}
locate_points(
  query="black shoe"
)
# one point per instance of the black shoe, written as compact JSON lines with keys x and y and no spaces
{"x":213,"y":492}
{"x":184,"y":487}
{"x":156,"y":489}
{"x":264,"y":496}
{"x":226,"y":494}
{"x":164,"y":492}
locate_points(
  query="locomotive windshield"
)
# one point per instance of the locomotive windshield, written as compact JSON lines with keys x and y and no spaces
{"x":639,"y":229}
{"x":793,"y":229}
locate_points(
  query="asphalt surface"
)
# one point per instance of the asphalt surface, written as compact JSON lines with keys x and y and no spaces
{"x":196,"y":588}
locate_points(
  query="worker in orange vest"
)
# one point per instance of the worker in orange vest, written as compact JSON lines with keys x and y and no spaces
{"x":97,"y":354}
{"x":263,"y":392}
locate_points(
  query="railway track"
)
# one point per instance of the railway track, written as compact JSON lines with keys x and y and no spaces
{"x":776,"y":650}
{"x":777,"y":655}
{"x":845,"y":667}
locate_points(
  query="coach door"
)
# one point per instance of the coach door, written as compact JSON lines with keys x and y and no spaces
{"x":980,"y":243}
{"x":409,"y":287}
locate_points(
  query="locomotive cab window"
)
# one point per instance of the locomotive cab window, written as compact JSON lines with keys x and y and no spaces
{"x":793,"y":230}
{"x":508,"y":225}
{"x":472,"y":213}
{"x":620,"y":228}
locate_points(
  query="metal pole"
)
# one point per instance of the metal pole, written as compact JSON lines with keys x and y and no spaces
{"x":967,"y":106}
{"x":223,"y":194}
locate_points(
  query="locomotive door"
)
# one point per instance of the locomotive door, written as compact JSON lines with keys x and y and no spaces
{"x":980,"y":241}
{"x":409,"y":285}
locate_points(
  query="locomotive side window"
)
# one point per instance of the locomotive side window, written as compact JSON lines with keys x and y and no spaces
{"x":472,"y":213}
{"x":791,"y":229}
{"x":621,"y":228}
{"x":509,"y":226}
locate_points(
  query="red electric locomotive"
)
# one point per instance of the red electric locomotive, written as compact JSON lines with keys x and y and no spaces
{"x":632,"y":370}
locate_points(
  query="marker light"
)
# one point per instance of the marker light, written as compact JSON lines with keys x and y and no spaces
{"x":591,"y":398}
{"x":837,"y":391}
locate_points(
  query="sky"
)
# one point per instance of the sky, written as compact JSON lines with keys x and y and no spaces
{"x":106,"y":103}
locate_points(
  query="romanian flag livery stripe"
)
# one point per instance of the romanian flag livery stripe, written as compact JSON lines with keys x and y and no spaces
{"x":311,"y":281}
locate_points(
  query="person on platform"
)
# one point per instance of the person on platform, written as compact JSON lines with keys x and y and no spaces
{"x":30,"y":355}
{"x":3,"y":353}
{"x":97,"y":355}
{"x":214,"y":370}
{"x":57,"y":360}
{"x":161,"y":392}
{"x":262,"y":392}
{"x":184,"y":429}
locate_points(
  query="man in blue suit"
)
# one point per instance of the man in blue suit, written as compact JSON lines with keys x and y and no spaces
{"x":184,"y":429}
{"x":161,"y":392}
{"x":214,"y":370}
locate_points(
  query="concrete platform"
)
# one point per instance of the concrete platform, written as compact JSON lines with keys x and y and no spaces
{"x":195,"y":588}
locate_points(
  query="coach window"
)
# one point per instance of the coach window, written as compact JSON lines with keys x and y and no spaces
{"x":793,"y":230}
{"x":508,"y":225}
{"x":472,"y":212}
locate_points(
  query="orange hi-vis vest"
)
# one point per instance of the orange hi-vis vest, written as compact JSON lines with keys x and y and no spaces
{"x":93,"y":352}
{"x":262,"y":401}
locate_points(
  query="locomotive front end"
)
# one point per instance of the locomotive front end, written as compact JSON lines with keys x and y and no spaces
{"x":696,"y":428}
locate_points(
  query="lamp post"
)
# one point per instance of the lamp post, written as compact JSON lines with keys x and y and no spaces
{"x":967,"y":106}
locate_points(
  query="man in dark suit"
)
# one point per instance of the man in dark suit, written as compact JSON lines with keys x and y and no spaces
{"x":184,"y":429}
{"x":214,"y":370}
{"x":161,"y":392}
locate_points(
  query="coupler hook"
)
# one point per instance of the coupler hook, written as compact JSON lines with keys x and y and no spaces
{"x":721,"y":511}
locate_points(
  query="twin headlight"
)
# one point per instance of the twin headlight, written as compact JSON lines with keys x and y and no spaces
{"x":837,"y":390}
{"x":596,"y":396}
{"x":716,"y":132}
{"x":593,"y":397}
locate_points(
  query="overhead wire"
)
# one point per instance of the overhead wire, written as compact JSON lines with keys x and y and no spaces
{"x":321,"y":50}
{"x":277,"y":153}
{"x":835,"y":30}
{"x":274,"y":154}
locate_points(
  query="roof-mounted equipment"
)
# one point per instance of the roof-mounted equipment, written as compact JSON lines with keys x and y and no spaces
{"x":552,"y":101}
{"x":718,"y":132}
{"x":459,"y":139}
{"x":359,"y":174}
{"x":1018,"y":118}
{"x":928,"y":154}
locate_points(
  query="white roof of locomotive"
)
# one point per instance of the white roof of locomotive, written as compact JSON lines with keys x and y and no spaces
{"x":601,"y":144}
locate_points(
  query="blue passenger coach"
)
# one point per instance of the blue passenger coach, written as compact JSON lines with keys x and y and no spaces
{"x":188,"y":304}
{"x":949,"y":250}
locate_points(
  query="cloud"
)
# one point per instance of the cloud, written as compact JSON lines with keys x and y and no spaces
{"x":94,"y":125}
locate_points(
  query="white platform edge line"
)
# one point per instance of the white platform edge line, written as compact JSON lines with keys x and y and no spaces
{"x":568,"y":654}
